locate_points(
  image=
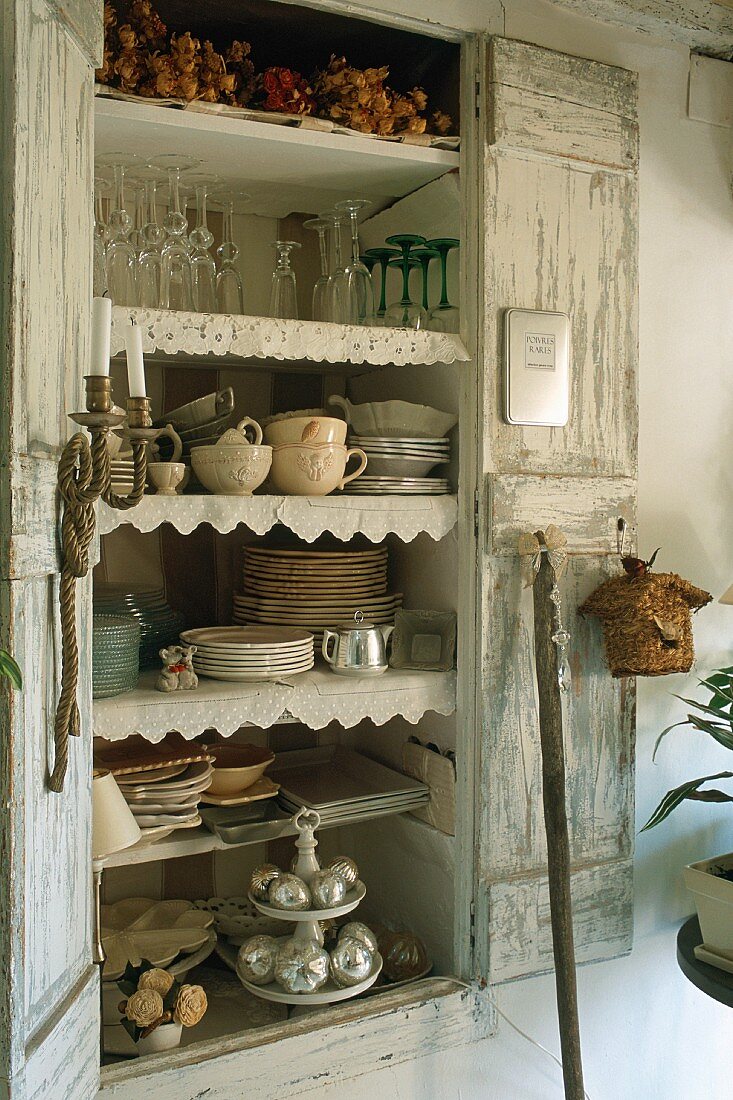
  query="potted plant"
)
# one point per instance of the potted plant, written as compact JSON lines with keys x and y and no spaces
{"x":710,"y":881}
{"x":10,"y":670}
{"x":157,"y":1007}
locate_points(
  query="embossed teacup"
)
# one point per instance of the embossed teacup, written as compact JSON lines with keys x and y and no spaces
{"x":306,"y":429}
{"x":166,"y":477}
{"x":313,"y":469}
{"x":233,"y":466}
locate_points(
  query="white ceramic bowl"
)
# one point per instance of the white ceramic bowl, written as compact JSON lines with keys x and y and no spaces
{"x":395,"y":419}
{"x":306,"y":429}
{"x":313,"y":469}
{"x":231,"y":470}
{"x":395,"y":466}
{"x":237,"y":767}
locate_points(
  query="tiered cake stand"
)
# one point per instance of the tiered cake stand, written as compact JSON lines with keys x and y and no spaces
{"x":307,"y":926}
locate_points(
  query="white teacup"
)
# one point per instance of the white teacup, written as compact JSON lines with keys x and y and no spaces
{"x":165,"y":476}
{"x":306,"y":429}
{"x":313,"y":470}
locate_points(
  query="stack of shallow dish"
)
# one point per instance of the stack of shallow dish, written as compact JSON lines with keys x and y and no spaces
{"x":115,"y":654}
{"x":239,"y":775}
{"x":159,"y":624}
{"x":405,"y":458}
{"x":399,"y":486}
{"x":249,"y":653}
{"x":122,"y":469}
{"x":315,"y":589}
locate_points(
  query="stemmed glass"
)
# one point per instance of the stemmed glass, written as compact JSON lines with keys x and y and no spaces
{"x":150,"y":260}
{"x":203,"y":268}
{"x":99,"y":268}
{"x":382,"y":256}
{"x":229,"y":297}
{"x":359,"y":293}
{"x":423,"y":257}
{"x":444,"y":317}
{"x":337,"y":293}
{"x":120,"y":256}
{"x":405,"y":313}
{"x":283,"y":297}
{"x":176,"y":287}
{"x":319,"y":310}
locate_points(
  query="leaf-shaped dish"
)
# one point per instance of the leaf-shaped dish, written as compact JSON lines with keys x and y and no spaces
{"x":141,"y":928}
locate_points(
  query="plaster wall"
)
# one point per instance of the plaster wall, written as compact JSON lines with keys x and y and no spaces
{"x":647,"y":1033}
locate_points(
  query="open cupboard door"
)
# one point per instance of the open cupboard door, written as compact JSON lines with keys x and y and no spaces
{"x":49,"y":1023}
{"x":559,"y":182}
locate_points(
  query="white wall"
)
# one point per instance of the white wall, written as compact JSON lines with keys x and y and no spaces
{"x":647,"y":1033}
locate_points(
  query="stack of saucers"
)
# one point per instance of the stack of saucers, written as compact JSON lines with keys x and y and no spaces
{"x":122,"y":469}
{"x":250,"y":653}
{"x":399,"y":486}
{"x":115,"y":654}
{"x":159,"y":624}
{"x":403,"y":457}
{"x":167,"y":797}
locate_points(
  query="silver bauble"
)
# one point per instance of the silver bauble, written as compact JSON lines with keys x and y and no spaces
{"x":358,"y":931}
{"x":345,"y":866}
{"x":289,"y":892}
{"x":294,"y":863}
{"x":327,"y":889}
{"x":351,"y":962}
{"x":301,"y":966}
{"x":261,"y":880}
{"x":256,"y":960}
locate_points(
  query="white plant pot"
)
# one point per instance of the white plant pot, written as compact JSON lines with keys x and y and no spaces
{"x":165,"y":1037}
{"x":714,"y":901}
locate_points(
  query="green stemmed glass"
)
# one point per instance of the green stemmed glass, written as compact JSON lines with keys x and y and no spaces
{"x":444,"y":317}
{"x":405,"y":313}
{"x":424,"y":256}
{"x":381,"y":256}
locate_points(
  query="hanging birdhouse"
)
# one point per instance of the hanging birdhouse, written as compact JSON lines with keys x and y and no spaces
{"x":647,"y":621}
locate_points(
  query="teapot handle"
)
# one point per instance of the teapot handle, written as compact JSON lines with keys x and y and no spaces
{"x":342,"y":403}
{"x":329,"y":635}
{"x":248,"y":422}
{"x":171,"y":432}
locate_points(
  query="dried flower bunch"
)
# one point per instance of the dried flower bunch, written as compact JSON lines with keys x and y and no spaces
{"x":141,"y":58}
{"x":154,"y":997}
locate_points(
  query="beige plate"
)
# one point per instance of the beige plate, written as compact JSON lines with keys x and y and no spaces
{"x":263,"y":788}
{"x":371,"y":603}
{"x":317,"y":555}
{"x":254,"y":677}
{"x":135,"y":754}
{"x":157,"y":776}
{"x":245,"y":638}
{"x":288,"y":588}
{"x":312,"y":571}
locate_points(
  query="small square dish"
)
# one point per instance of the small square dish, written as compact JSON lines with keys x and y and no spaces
{"x":424,"y":640}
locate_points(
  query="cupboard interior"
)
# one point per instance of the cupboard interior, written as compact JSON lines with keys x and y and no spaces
{"x":408,"y":866}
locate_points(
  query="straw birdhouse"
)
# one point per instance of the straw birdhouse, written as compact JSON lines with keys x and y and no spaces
{"x":647,"y":622}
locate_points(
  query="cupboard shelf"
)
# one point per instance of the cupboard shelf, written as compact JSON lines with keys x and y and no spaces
{"x":282,"y":169}
{"x":220,"y":339}
{"x":308,"y":517}
{"x":314,"y":698}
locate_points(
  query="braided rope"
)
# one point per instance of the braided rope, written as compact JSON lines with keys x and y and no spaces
{"x":84,"y":476}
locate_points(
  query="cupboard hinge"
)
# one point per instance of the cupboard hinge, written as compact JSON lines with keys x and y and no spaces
{"x":475,"y":512}
{"x":478,"y":98}
{"x":473,"y":925}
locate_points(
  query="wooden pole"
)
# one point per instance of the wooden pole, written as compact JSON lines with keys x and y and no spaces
{"x":556,"y":827}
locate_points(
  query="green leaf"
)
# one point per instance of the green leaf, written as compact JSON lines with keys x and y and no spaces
{"x":710,"y":796}
{"x":664,"y":733}
{"x":128,"y":988}
{"x":131,"y":1028}
{"x":677,"y":795}
{"x":719,"y":686}
{"x":718,"y":733}
{"x":131,"y":974}
{"x":11,"y":670}
{"x":716,"y":711}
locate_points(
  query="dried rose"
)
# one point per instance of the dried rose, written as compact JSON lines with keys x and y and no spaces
{"x":128,"y":38}
{"x":157,"y":979}
{"x":191,"y":1004}
{"x":270,"y":82}
{"x":440,"y":122}
{"x":287,"y":79}
{"x":144,"y":1007}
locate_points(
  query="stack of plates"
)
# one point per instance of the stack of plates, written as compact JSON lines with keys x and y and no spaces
{"x":249,"y":653}
{"x":159,"y":624}
{"x":367,"y":485}
{"x":166,"y":798}
{"x":314,"y":589}
{"x":403,"y":457}
{"x":115,"y":654}
{"x":122,"y":469}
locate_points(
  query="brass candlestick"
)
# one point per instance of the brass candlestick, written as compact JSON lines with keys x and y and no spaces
{"x":84,"y":476}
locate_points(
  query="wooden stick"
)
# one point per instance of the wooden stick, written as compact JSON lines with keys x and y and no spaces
{"x":556,"y":826}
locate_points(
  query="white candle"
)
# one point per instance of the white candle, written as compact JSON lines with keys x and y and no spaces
{"x":135,"y":364}
{"x":101,"y":326}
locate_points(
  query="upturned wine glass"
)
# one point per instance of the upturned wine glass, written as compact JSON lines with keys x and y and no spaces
{"x":319,"y":311}
{"x":405,"y":313}
{"x":382,"y":256}
{"x":150,"y":259}
{"x":120,"y":255}
{"x":99,"y":268}
{"x":444,"y":317}
{"x":359,"y":291}
{"x":203,"y":267}
{"x":283,"y":295}
{"x":176,"y":286}
{"x":229,"y":296}
{"x":424,"y":257}
{"x":337,"y":294}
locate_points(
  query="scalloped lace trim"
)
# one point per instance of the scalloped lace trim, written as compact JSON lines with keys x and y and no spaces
{"x":271,"y":338}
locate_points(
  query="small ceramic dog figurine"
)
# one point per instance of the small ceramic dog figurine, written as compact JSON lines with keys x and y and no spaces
{"x":177,"y":672}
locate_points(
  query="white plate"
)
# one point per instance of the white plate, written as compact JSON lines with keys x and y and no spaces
{"x":435,"y":441}
{"x":185,"y":804}
{"x":235,"y":666}
{"x":353,"y":898}
{"x":152,"y":821}
{"x":254,"y":677}
{"x":317,"y":555}
{"x":327,"y":994}
{"x":261,"y":659}
{"x":199,"y":772}
{"x":339,"y":603}
{"x":152,"y":776}
{"x":246,"y":637}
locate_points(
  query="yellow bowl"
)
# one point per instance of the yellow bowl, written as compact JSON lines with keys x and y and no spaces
{"x":237,"y":767}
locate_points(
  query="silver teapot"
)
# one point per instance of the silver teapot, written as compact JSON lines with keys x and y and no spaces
{"x":359,"y":649}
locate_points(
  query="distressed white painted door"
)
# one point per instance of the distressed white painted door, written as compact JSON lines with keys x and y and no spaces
{"x":48,"y":987}
{"x":560,"y":200}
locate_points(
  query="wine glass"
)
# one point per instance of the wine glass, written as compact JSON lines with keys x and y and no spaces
{"x":283,"y":296}
{"x":150,"y":260}
{"x":444,"y":317}
{"x":120,"y":256}
{"x":359,"y":292}
{"x":337,"y":293}
{"x":382,"y":256}
{"x":424,"y":256}
{"x":229,"y":297}
{"x":99,"y":268}
{"x":176,"y":286}
{"x":319,"y":310}
{"x":405,"y":313}
{"x":203,"y":268}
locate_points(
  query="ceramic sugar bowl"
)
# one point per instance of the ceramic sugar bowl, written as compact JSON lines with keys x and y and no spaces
{"x":234,"y":466}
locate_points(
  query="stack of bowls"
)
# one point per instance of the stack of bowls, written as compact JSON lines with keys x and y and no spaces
{"x":233,"y":466}
{"x":309,"y":456}
{"x":159,"y":625}
{"x":115,"y":654}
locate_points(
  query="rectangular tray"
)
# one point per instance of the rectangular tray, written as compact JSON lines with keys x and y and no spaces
{"x":333,"y":777}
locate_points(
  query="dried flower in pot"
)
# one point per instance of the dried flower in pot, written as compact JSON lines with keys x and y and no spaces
{"x":156,"y":1007}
